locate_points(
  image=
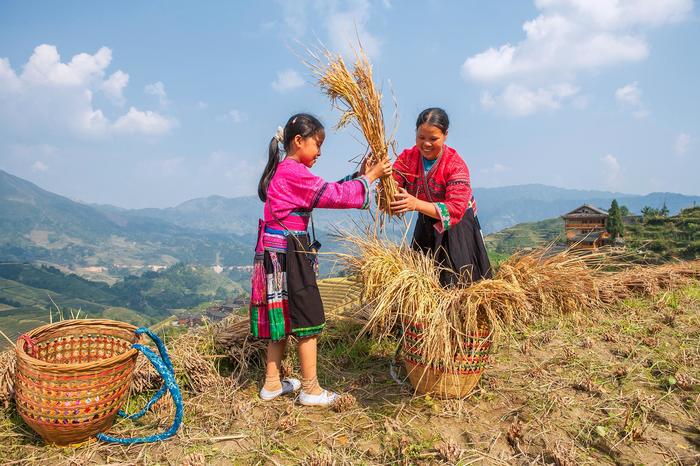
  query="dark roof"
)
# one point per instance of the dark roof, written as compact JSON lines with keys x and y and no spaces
{"x":576,"y":212}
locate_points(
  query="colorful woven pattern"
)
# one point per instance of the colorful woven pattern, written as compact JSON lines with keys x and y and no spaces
{"x":73,"y":376}
{"x":455,"y":381}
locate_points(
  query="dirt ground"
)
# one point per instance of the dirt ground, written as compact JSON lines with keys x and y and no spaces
{"x":613,"y":387}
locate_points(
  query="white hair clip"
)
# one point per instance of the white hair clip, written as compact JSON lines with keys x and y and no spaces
{"x":279,"y":135}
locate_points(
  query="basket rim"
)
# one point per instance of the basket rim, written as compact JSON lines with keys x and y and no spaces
{"x":23,"y":356}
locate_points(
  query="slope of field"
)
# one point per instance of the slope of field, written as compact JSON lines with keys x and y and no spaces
{"x":664,"y":238}
{"x":26,"y":307}
{"x":615,"y":386}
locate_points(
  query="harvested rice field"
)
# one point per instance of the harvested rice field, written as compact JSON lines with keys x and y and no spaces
{"x":613,"y":386}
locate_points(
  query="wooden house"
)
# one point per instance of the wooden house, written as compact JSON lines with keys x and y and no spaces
{"x":585,"y":227}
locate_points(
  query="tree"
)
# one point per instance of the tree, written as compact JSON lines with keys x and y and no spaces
{"x":624,"y":211}
{"x":614,"y":221}
{"x":664,"y":210}
{"x":649,"y":212}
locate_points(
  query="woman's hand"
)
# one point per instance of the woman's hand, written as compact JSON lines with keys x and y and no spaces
{"x":403,"y":202}
{"x":379,"y":169}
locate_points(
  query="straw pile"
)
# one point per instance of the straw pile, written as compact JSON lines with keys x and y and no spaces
{"x":7,"y":373}
{"x":553,"y":284}
{"x":641,"y":280}
{"x":354,"y":94}
{"x":402,"y":288}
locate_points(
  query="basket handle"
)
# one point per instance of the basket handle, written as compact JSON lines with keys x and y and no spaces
{"x":164,"y":366}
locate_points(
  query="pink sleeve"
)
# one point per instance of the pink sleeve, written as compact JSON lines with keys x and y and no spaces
{"x":353,"y":194}
{"x":312,"y":191}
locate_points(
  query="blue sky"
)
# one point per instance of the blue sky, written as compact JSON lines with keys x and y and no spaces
{"x":148,"y":104}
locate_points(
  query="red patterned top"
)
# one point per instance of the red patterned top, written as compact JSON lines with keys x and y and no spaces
{"x":446,"y":185}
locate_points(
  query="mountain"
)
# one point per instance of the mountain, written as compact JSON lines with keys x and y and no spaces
{"x":499,"y":208}
{"x":37,"y":225}
{"x":504,"y":207}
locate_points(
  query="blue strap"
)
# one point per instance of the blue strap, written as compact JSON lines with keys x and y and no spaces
{"x":166,"y":359}
{"x":164,"y":366}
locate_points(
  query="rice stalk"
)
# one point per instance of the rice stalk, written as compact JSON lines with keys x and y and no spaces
{"x":353,"y":93}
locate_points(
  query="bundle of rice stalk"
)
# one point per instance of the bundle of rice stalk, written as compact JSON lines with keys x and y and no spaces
{"x":402,"y":290}
{"x":193,"y":359}
{"x":7,"y":374}
{"x":354,"y":93}
{"x":232,"y":337}
{"x":646,"y":280}
{"x":555,"y":284}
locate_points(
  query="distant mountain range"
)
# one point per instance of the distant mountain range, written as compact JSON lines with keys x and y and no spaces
{"x":37,"y":225}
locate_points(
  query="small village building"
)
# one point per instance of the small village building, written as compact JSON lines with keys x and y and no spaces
{"x":585,"y":227}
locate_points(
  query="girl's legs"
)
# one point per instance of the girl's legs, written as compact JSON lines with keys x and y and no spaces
{"x":273,"y":367}
{"x":307,"y":357}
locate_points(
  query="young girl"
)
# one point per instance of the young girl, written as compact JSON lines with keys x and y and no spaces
{"x":285,"y":299}
{"x":434,"y":181}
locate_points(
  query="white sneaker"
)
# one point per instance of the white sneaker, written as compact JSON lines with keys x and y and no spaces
{"x":289,"y":385}
{"x":325,"y":398}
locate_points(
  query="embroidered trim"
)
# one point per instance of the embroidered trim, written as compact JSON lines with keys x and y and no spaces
{"x":308,"y":331}
{"x":365,"y":183}
{"x":453,"y":182}
{"x":318,"y":195}
{"x":444,"y":214}
{"x":348,"y":178}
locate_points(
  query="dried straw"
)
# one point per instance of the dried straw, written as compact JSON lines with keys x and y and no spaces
{"x":7,"y":373}
{"x":354,"y":94}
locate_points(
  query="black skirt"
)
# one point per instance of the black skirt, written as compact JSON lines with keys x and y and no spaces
{"x":293,"y":305}
{"x":460,"y":249}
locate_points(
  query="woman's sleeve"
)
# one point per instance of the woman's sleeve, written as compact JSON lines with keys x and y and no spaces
{"x":457,"y":197}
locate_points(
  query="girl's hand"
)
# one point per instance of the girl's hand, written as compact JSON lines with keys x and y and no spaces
{"x":403,"y":202}
{"x":379,"y":169}
{"x":364,"y":166}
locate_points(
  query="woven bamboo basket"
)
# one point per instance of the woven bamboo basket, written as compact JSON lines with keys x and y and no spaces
{"x":453,"y":382}
{"x":73,"y":376}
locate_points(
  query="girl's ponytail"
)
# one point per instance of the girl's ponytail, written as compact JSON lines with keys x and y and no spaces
{"x":272,"y":162}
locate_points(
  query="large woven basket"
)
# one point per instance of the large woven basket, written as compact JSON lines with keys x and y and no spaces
{"x":454,"y":382}
{"x":73,"y":376}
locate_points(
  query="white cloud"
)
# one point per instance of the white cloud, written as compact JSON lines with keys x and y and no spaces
{"x":51,"y":98}
{"x":344,"y":27}
{"x":487,"y":100}
{"x":9,"y":82}
{"x":113,"y":87}
{"x":630,"y":96}
{"x":495,"y":168}
{"x":344,"y":22}
{"x":148,"y":122}
{"x":611,"y":170}
{"x":573,"y":36}
{"x":236,"y":116}
{"x":45,"y":67}
{"x":202,"y":105}
{"x":287,"y":80}
{"x":682,"y":143}
{"x":517,"y":100}
{"x":40,"y":166}
{"x":158,"y":89}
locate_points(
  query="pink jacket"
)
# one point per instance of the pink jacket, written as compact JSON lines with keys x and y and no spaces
{"x":294,"y":192}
